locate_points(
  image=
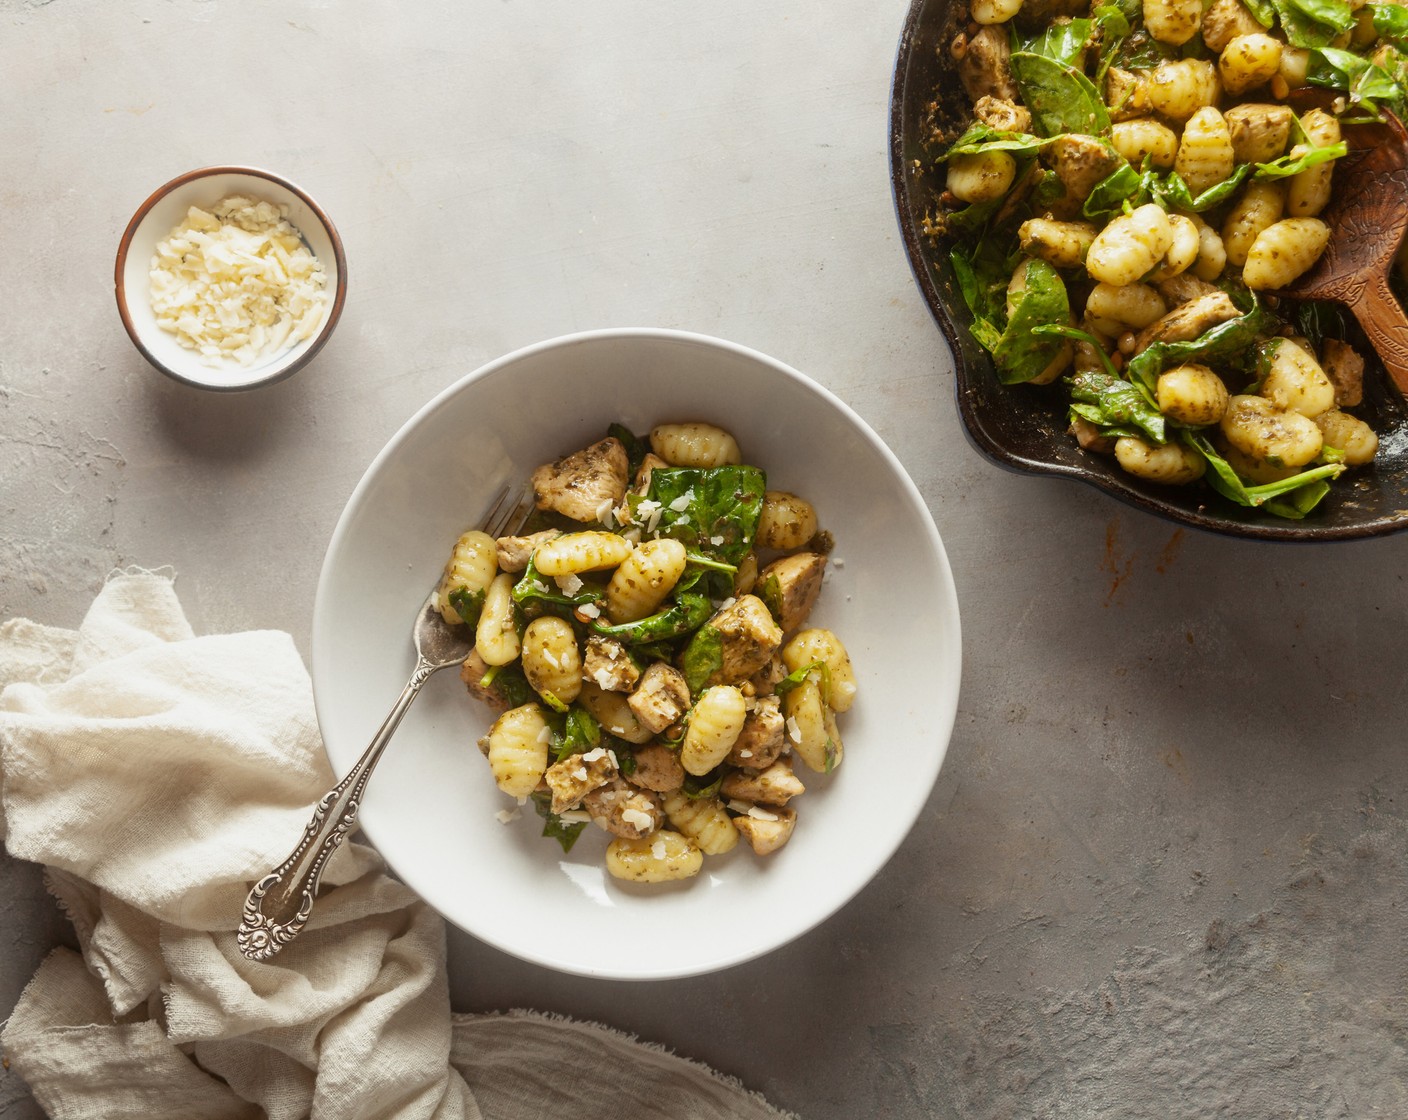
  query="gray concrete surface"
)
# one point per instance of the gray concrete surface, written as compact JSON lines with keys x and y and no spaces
{"x":1162,"y":873}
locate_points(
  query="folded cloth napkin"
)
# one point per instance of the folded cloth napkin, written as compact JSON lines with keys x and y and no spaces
{"x":155,"y":774}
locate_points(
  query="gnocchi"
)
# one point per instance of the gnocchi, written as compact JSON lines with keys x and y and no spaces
{"x":1156,"y":195}
{"x":655,"y":664}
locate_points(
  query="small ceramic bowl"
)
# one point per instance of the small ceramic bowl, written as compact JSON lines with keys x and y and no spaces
{"x":162,"y":213}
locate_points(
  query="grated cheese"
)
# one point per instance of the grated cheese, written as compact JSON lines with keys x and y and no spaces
{"x":507,"y":816}
{"x":637,"y":818}
{"x":236,"y":283}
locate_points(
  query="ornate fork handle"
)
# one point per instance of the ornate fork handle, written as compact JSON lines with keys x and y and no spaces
{"x":279,"y":904}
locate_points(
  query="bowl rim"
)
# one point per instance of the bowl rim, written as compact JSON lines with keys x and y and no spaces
{"x":314,"y":345}
{"x":326,"y":605}
{"x":1297,"y":532}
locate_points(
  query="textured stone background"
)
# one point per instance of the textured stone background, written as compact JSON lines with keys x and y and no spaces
{"x":1162,"y":873}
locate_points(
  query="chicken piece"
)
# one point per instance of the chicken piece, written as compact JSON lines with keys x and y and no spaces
{"x":1126,"y":93}
{"x":657,"y":768}
{"x":983,"y":64}
{"x":581,"y":485}
{"x":765,"y":680}
{"x":661,"y":697}
{"x":748,"y":637}
{"x":1344,"y":366}
{"x":776,"y":785}
{"x":763,"y":737}
{"x":790,"y":585}
{"x":641,"y":483}
{"x":577,"y":775}
{"x":1185,"y":323}
{"x":1224,"y":20}
{"x":1259,"y":132}
{"x":1184,"y":288}
{"x":515,"y":552}
{"x":623,"y":810}
{"x":1003,"y":115}
{"x":1080,"y":162}
{"x":608,"y":665}
{"x":766,"y":830}
{"x":1089,"y":437}
{"x":472,"y":672}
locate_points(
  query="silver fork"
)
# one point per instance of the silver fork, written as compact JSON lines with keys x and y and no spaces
{"x":278,"y":905}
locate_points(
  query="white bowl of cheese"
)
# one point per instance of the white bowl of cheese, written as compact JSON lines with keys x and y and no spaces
{"x":230,"y":278}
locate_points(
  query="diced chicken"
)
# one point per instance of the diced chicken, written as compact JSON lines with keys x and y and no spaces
{"x":1089,"y":437}
{"x":1344,"y":366}
{"x":515,"y":552}
{"x":623,"y":810}
{"x":661,"y":697}
{"x":577,"y":775}
{"x":763,"y":737}
{"x":1184,"y":288}
{"x":657,"y":768}
{"x":641,"y":483}
{"x":984,"y":65}
{"x":1080,"y":162}
{"x":766,"y":679}
{"x":607,"y":665}
{"x":790,"y":585}
{"x":1126,"y":93}
{"x":472,"y":672}
{"x":748,"y":638}
{"x":766,"y":830}
{"x":776,"y":785}
{"x":581,"y":484}
{"x":1260,"y":133}
{"x":1185,"y":323}
{"x":1003,"y":115}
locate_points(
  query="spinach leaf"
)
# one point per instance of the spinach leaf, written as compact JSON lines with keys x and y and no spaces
{"x":1115,"y":406}
{"x":1108,"y":195}
{"x":1263,"y":10}
{"x":702,"y":657}
{"x":1222,"y":478}
{"x":983,"y":275}
{"x":696,"y":788}
{"x":1019,"y":354}
{"x":1231,"y":341}
{"x":1064,"y":42}
{"x":580,"y":733}
{"x":1172,"y":193}
{"x":1060,"y":97}
{"x":1313,"y":23}
{"x":1390,"y":21}
{"x":535,"y":594}
{"x":509,"y":683}
{"x":468,"y":604}
{"x":1287,"y":164}
{"x":984,"y":138}
{"x":691,"y":607}
{"x":554,"y":826}
{"x":800,"y":674}
{"x":711,"y":510}
{"x":1366,"y":83}
{"x":636,"y":446}
{"x":1318,"y":320}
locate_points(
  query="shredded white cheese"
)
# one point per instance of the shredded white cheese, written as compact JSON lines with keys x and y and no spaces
{"x":793,"y":731}
{"x":657,"y":849}
{"x":569,"y":584}
{"x":760,"y":814}
{"x":680,"y":504}
{"x":236,"y":283}
{"x":507,"y":816}
{"x":575,"y":816}
{"x":637,"y":818}
{"x":591,"y":610}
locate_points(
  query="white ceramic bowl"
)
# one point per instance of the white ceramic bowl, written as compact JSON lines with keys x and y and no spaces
{"x":161,"y":213}
{"x":431,"y":806}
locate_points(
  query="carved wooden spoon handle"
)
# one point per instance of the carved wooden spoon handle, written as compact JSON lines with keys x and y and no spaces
{"x":1384,"y":321}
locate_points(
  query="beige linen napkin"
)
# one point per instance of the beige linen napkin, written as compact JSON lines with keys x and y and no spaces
{"x":155,"y":774}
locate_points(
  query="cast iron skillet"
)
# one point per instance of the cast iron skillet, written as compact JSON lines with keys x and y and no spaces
{"x":1023,"y":427}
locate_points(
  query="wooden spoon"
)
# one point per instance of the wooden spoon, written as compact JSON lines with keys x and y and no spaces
{"x":1367,"y":216}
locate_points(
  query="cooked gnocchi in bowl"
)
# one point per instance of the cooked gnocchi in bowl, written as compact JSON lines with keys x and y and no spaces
{"x":1104,"y":203}
{"x":645,"y":638}
{"x":437,"y":811}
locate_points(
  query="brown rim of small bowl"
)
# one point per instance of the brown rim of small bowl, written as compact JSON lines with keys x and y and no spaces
{"x":1026,"y":457}
{"x":324,"y":332}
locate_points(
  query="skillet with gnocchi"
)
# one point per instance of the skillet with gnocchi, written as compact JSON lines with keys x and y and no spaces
{"x":645,"y":641}
{"x":1131,"y":186}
